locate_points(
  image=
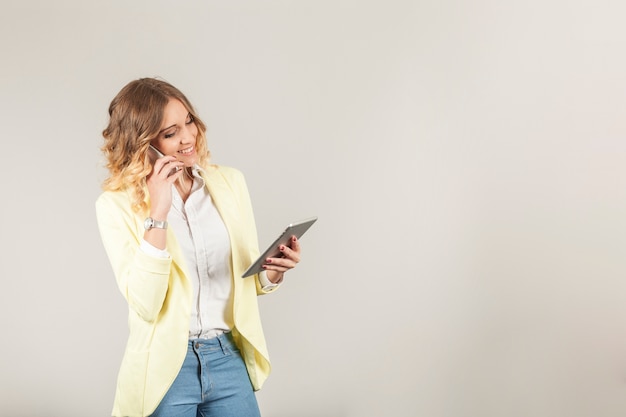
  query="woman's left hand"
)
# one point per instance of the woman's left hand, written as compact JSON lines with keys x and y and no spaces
{"x":276,"y":267}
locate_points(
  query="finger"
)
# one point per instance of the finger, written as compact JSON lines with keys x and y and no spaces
{"x":276,"y":268}
{"x":162,"y":161}
{"x":289,"y":253}
{"x":273,"y":263}
{"x":295,"y":244}
{"x":168,"y":168}
{"x":174,"y":175}
{"x":159,"y":162}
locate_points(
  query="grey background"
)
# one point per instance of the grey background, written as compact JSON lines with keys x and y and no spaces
{"x":466,"y":161}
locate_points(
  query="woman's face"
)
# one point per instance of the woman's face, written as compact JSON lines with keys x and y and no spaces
{"x":178,"y":134}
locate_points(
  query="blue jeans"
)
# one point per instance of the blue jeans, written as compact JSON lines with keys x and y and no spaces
{"x":213,"y":382}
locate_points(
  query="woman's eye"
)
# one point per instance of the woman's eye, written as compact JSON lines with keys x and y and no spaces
{"x":189,"y":120}
{"x":169,"y":135}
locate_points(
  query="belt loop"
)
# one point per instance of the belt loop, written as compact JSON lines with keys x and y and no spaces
{"x":220,"y":339}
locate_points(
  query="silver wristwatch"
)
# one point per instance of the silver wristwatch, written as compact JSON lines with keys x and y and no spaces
{"x":150,"y":223}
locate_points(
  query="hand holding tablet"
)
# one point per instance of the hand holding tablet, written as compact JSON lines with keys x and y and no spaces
{"x":295,"y":229}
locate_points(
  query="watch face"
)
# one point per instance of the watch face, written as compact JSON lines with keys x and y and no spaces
{"x":148,"y":223}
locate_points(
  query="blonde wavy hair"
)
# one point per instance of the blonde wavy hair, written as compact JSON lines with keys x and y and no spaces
{"x":135,"y":117}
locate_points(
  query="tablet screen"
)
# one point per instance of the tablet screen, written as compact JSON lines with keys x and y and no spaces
{"x":295,"y":229}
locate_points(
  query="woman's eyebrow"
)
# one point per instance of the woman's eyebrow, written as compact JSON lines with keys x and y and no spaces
{"x":165,"y":128}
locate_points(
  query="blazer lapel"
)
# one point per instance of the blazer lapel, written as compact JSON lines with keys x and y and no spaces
{"x":226,"y":202}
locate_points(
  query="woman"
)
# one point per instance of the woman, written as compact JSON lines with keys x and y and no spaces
{"x":179,"y":234}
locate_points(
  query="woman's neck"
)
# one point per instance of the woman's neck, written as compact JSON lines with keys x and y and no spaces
{"x":184,"y":184}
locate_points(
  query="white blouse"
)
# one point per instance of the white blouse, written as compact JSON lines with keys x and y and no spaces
{"x":205,"y":243}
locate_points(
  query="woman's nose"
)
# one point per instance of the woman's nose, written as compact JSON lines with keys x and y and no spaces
{"x":187,"y":135}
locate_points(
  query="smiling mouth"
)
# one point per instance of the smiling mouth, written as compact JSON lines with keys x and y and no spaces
{"x":187,"y":151}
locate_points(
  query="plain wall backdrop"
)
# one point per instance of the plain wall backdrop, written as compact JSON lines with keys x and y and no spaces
{"x":465,"y":158}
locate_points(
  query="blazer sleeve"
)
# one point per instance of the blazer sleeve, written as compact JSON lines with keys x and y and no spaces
{"x":142,"y":279}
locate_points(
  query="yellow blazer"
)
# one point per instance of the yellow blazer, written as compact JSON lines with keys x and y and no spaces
{"x":159,"y":294}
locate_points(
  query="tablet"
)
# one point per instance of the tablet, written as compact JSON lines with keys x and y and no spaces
{"x":296,"y":229}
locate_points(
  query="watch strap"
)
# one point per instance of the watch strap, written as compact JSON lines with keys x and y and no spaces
{"x":159,"y":224}
{"x":150,"y":223}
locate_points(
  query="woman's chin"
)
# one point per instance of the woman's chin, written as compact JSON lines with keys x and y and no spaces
{"x":190,"y":163}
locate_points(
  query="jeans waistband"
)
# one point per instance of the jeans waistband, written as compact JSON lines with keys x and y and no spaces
{"x":224,"y":341}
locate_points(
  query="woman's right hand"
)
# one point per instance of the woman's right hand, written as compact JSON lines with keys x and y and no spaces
{"x":159,"y":184}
